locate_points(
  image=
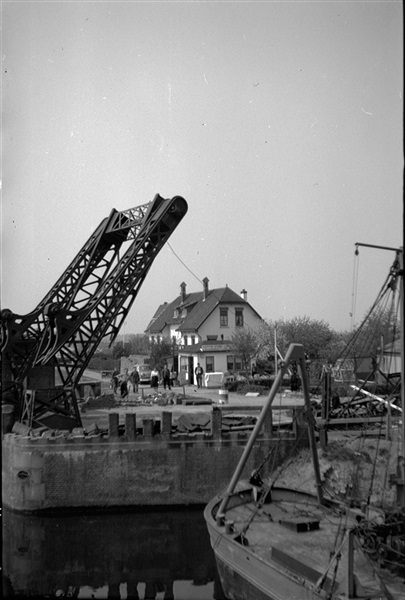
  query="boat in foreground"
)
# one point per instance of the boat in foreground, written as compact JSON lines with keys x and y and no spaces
{"x":274,"y":543}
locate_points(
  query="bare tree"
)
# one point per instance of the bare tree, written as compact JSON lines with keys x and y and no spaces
{"x":245,"y":343}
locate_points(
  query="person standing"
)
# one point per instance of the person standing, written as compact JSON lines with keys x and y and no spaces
{"x":114,"y":380}
{"x":166,"y":377}
{"x":154,"y":378}
{"x":135,"y":380}
{"x":199,"y":372}
{"x":173,"y":378}
{"x":124,"y":384}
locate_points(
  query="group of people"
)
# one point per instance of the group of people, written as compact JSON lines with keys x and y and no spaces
{"x":126,"y":380}
{"x":167,"y":378}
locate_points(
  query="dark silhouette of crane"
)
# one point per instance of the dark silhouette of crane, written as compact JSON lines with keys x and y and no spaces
{"x":45,"y":352}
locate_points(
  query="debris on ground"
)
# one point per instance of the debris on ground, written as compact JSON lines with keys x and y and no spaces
{"x":103,"y":401}
{"x":192,"y":423}
{"x":238,"y":422}
{"x":193,"y":400}
{"x":347,"y":465}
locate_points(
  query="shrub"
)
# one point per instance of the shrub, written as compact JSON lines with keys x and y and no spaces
{"x":246,"y":388}
{"x":243,"y":387}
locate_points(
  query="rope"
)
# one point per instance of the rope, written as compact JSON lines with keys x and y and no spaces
{"x":374,"y":466}
{"x":267,"y":488}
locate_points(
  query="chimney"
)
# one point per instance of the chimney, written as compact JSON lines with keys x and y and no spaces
{"x":244,"y":294}
{"x":206,"y":290}
{"x":183,"y":292}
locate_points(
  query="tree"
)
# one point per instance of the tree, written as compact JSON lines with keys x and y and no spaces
{"x":161,"y":351}
{"x":245,"y":343}
{"x":320,"y":342}
{"x":121,"y":349}
{"x":140,"y":343}
{"x":312,"y":334}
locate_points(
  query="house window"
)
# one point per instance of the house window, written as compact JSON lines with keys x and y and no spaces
{"x":223,"y":317}
{"x":239,"y":317}
{"x":184,"y":313}
{"x":234,"y":363}
{"x":192,"y":340}
{"x":185,"y":340}
{"x":209,"y":364}
{"x":183,"y":363}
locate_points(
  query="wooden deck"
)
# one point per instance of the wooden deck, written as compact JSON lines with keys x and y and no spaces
{"x":299,"y":536}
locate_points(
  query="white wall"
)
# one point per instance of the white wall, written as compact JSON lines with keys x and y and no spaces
{"x":212,"y":327}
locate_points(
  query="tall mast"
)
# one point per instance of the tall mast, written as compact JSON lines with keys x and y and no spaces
{"x":401,"y":300}
{"x":398,"y":270}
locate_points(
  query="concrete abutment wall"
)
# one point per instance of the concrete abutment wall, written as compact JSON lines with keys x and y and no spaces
{"x":165,"y":469}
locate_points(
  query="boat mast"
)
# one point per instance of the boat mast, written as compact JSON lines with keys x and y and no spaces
{"x":401,"y":304}
{"x":398,"y":270}
{"x":295,"y":352}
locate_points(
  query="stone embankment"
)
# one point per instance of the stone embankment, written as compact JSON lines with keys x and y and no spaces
{"x":142,"y":458}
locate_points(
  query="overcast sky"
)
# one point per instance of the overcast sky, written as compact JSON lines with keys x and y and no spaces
{"x":281,"y":124}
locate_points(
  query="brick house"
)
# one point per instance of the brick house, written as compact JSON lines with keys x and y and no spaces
{"x":201,"y":323}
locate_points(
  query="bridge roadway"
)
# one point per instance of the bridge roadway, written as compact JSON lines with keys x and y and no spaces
{"x":237,"y":403}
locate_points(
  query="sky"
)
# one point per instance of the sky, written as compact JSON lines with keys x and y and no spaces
{"x":280,"y":123}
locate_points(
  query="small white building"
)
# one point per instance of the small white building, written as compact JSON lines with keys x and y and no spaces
{"x":390,"y":359}
{"x":201,"y":324}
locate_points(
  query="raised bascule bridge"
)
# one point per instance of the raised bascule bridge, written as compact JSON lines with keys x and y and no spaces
{"x":50,"y":461}
{"x":45,"y":353}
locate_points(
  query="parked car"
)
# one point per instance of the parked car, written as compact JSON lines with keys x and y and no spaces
{"x":144,"y":373}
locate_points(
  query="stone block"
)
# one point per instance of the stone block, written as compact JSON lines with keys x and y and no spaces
{"x":20,"y":429}
{"x":216,"y":422}
{"x":130,"y":426}
{"x":166,"y":424}
{"x":113,"y":423}
{"x":148,"y":426}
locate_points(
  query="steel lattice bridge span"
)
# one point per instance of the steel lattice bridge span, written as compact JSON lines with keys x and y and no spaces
{"x":45,"y":352}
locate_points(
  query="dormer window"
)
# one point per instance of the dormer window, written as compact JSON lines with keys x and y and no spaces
{"x":184,"y":313}
{"x":223,"y":317}
{"x":176,"y":313}
{"x":239,"y":317}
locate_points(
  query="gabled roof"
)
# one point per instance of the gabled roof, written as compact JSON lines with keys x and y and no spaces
{"x":200,"y":309}
{"x":160,"y":310}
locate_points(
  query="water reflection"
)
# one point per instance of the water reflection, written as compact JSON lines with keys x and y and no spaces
{"x":150,"y":555}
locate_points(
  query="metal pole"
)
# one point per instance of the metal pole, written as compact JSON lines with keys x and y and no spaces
{"x":400,"y":272}
{"x":374,"y":246}
{"x":401,"y":303}
{"x":295,"y":352}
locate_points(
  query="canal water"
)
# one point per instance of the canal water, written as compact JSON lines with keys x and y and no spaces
{"x":127,"y":555}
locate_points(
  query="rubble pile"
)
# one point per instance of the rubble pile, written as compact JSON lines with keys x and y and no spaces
{"x":347,"y":465}
{"x":161,"y":399}
{"x":103,"y":401}
{"x":186,"y":423}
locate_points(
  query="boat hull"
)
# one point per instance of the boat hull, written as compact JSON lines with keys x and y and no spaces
{"x":245,"y":576}
{"x":236,"y":586}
